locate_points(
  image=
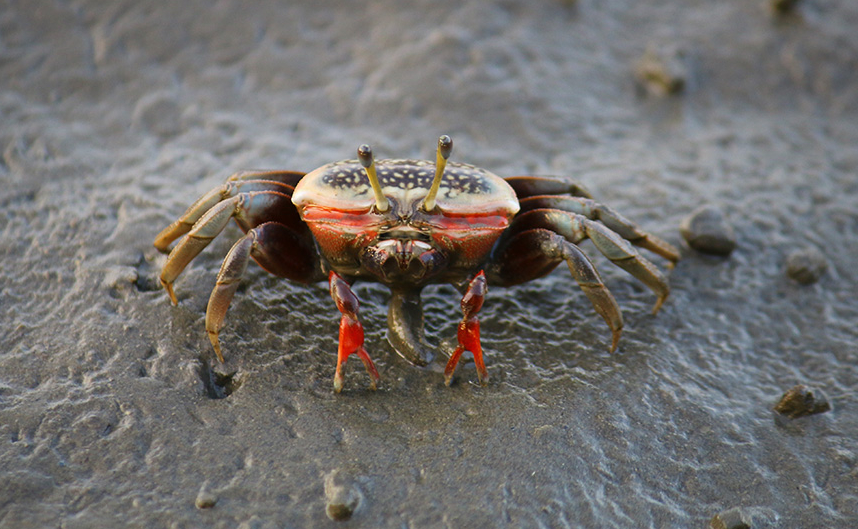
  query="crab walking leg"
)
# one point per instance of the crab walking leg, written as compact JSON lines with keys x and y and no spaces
{"x":289,"y":178}
{"x":351,"y":331}
{"x":231,"y":272}
{"x":242,"y":207}
{"x":276,"y":248}
{"x":526,"y":186}
{"x":469,"y":330}
{"x":576,"y":228}
{"x":241,"y":182}
{"x":607,"y":216}
{"x":534,"y":253}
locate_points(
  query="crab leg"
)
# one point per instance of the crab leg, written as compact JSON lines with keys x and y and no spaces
{"x":244,"y":181}
{"x":607,"y":216}
{"x":249,"y":209}
{"x":289,"y":178}
{"x":351,"y":331}
{"x":469,"y":330}
{"x":526,"y":186}
{"x":576,"y":228}
{"x":278,"y":249}
{"x":533,"y":253}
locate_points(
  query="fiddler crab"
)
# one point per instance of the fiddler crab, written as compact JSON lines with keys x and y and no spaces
{"x":407,"y":224}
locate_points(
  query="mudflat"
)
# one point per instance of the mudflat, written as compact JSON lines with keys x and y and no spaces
{"x":114,"y":116}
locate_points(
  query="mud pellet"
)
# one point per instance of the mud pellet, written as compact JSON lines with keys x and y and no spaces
{"x":801,"y":401}
{"x":707,"y":231}
{"x":205,"y":500}
{"x":734,"y":518}
{"x":806,"y":266}
{"x":343,"y":496}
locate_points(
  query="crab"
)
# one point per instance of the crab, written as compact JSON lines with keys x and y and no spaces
{"x":408,"y":224}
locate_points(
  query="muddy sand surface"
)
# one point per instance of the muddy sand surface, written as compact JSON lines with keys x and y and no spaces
{"x":114,"y":116}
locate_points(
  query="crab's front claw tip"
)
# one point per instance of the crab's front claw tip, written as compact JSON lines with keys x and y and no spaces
{"x":338,"y":382}
{"x":370,"y":369}
{"x":483,"y":377}
{"x":450,"y":368}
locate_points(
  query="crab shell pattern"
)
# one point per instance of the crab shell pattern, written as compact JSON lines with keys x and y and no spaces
{"x":407,"y":224}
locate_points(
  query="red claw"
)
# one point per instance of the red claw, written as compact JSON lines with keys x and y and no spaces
{"x":469,"y":331}
{"x":351,"y":332}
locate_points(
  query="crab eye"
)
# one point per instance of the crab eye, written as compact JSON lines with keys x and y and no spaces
{"x":364,"y":153}
{"x":445,"y":148}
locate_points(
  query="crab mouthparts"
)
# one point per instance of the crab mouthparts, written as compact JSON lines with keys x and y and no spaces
{"x":403,"y":251}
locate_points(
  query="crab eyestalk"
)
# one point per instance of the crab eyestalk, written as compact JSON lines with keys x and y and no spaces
{"x":445,"y":148}
{"x":366,"y":160}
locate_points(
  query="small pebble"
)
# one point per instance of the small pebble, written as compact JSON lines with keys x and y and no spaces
{"x":662,"y":70}
{"x":205,"y":500}
{"x":734,"y":518}
{"x":707,"y":231}
{"x":343,"y":496}
{"x":801,"y":401}
{"x":806,"y":266}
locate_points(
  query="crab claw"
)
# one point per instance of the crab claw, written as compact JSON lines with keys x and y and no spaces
{"x":469,"y":331}
{"x":351,"y":332}
{"x":405,"y":327}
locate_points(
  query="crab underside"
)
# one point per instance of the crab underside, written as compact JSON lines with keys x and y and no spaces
{"x":406,"y":224}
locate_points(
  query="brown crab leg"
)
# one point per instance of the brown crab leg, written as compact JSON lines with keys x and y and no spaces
{"x":231,"y":271}
{"x":526,"y":186}
{"x":607,"y":216}
{"x":351,"y":331}
{"x":469,"y":331}
{"x":275,"y":247}
{"x":533,"y":253}
{"x":576,"y":228}
{"x":248,"y":208}
{"x":244,"y":181}
{"x":289,"y":178}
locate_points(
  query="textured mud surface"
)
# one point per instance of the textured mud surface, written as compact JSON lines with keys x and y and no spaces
{"x":116,"y":115}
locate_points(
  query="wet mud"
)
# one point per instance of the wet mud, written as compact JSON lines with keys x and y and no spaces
{"x":117,"y":115}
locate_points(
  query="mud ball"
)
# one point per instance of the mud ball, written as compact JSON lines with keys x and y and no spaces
{"x":806,"y":266}
{"x":662,"y":70}
{"x":801,"y":401}
{"x":731,"y":519}
{"x":205,"y":500}
{"x":707,"y":231}
{"x":343,"y":496}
